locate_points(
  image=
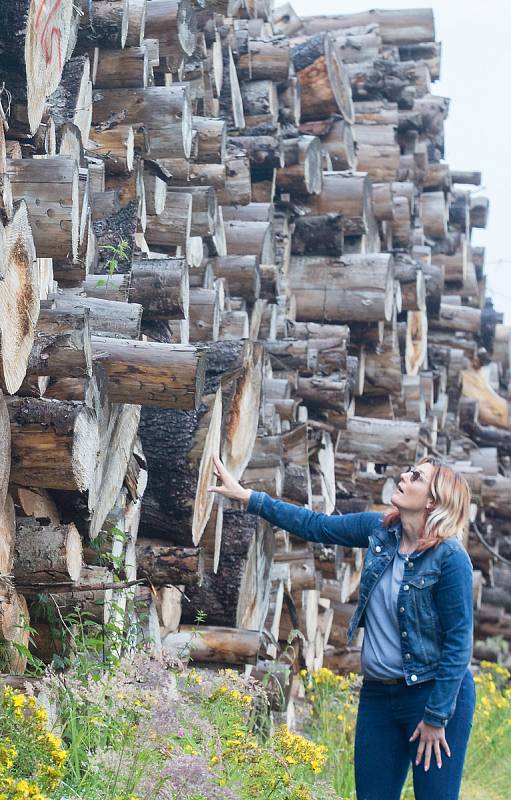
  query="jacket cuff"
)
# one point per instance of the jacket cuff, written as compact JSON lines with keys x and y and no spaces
{"x":255,"y":502}
{"x":432,"y":718}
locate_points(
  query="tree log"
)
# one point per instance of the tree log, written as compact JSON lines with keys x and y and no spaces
{"x":242,"y":275}
{"x":179,"y":447}
{"x":302,"y":173}
{"x":19,"y":299}
{"x":165,"y":112}
{"x":104,"y":24}
{"x":353,"y":287}
{"x":165,"y":564}
{"x":324,"y":84}
{"x":34,"y":42}
{"x":150,"y":373}
{"x":62,"y":346}
{"x":14,"y":629}
{"x":54,"y":443}
{"x":216,"y":645}
{"x":50,"y":187}
{"x":106,"y":317}
{"x":46,"y":553}
{"x":159,"y":285}
{"x":382,"y":441}
{"x":238,"y":594}
{"x":7,"y":536}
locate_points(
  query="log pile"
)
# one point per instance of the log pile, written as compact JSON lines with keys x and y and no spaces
{"x":226,"y":229}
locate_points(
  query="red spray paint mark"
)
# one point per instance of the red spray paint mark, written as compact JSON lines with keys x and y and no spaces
{"x":50,"y":33}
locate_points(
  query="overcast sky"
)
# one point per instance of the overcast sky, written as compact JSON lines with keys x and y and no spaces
{"x":476,"y":75}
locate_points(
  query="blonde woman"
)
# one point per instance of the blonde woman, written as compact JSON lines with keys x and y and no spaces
{"x":415,"y":603}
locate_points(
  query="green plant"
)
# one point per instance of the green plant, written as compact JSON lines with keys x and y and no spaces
{"x":118,"y":253}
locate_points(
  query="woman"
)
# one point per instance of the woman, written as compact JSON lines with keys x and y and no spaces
{"x":415,"y":603}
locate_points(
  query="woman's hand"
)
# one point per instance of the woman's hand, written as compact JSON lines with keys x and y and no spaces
{"x":230,"y":487}
{"x":431,"y":738}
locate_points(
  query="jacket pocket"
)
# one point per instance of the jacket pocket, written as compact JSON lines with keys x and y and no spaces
{"x":425,"y":614}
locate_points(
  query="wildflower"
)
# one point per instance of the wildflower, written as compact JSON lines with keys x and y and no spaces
{"x":180,"y":733}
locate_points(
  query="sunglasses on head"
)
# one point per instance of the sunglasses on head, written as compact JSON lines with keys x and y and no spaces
{"x":416,"y":475}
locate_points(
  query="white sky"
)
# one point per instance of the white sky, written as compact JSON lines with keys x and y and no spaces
{"x":476,"y":75}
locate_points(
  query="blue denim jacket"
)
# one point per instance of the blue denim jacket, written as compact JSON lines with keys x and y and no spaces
{"x":434,"y":602}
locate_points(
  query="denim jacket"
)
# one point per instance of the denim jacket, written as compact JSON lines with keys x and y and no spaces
{"x":435,"y":608}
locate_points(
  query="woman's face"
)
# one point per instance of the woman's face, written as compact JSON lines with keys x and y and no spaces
{"x":412,"y":491}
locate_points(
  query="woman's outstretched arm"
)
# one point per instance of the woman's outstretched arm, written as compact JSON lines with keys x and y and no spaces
{"x":350,"y":530}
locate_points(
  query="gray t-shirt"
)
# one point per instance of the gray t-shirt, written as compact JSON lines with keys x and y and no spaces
{"x":381,"y":648}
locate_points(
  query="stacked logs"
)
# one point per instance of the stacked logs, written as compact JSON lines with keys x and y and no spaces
{"x":229,"y":230}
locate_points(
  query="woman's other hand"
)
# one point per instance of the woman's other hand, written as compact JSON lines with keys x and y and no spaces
{"x":431,"y":739}
{"x":229,"y":486}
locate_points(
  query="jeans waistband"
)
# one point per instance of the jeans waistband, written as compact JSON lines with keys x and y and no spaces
{"x":385,"y":680}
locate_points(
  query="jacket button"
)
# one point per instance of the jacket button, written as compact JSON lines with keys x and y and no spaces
{"x":409,"y":564}
{"x":406,"y":587}
{"x":378,"y":548}
{"x":401,"y":610}
{"x":413,"y":678}
{"x":404,"y":634}
{"x":408,"y":656}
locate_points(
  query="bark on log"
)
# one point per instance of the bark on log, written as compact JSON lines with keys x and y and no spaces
{"x":348,"y":194}
{"x":165,"y":112}
{"x":302,"y":173}
{"x":165,"y":564}
{"x":324,"y":84}
{"x":46,"y":553}
{"x":350,"y":288}
{"x":71,"y":102}
{"x":179,"y":447}
{"x":54,"y":443}
{"x":109,"y":318}
{"x":380,"y":441}
{"x":50,"y":188}
{"x":150,"y":373}
{"x":103,"y":24}
{"x":320,"y":235}
{"x":238,"y":595}
{"x":62,"y":346}
{"x":159,"y":285}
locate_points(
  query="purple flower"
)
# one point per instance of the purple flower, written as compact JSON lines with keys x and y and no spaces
{"x":180,"y":732}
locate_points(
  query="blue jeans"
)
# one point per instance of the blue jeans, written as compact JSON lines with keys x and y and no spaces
{"x":387,"y":716}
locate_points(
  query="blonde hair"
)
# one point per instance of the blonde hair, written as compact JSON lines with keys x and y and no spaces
{"x":448,"y":516}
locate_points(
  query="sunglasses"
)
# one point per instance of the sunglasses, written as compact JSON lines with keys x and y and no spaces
{"x":416,"y":475}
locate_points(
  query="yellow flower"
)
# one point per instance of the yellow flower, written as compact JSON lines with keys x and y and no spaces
{"x":18,"y":701}
{"x":213,"y":760}
{"x":247,"y":699}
